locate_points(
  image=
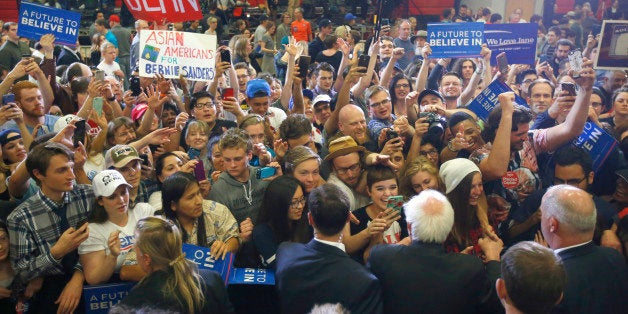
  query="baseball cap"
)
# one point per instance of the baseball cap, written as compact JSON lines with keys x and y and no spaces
{"x":114,"y":18}
{"x":107,"y":181}
{"x":321,"y":98}
{"x":64,"y":121}
{"x":429,"y":92}
{"x":257,"y":88}
{"x":120,"y":155}
{"x":324,"y":23}
{"x":138,"y":111}
{"x":349,"y":17}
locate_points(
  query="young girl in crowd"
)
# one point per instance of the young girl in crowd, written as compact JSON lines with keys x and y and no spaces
{"x":418,"y":175}
{"x":304,"y":164}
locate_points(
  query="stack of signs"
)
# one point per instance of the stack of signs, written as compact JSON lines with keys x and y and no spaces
{"x":172,"y":54}
{"x":230,"y":275}
{"x":487,"y":99}
{"x":99,"y":299}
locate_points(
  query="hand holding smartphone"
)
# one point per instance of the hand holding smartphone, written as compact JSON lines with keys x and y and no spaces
{"x":79,"y":133}
{"x":304,"y":64}
{"x":395,"y":202}
{"x":502,"y":63}
{"x":199,"y":171}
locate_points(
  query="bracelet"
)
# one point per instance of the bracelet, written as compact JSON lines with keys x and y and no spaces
{"x":451,"y":147}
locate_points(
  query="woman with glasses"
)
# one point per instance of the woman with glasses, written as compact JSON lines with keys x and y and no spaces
{"x":399,"y":88}
{"x":282,"y":218}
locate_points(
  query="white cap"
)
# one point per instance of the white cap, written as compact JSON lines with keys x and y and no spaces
{"x":321,"y":98}
{"x":452,"y":172}
{"x":107,"y":181}
{"x":62,"y":122}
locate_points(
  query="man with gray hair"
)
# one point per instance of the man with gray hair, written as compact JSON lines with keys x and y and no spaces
{"x":597,"y":277}
{"x":446,"y":282}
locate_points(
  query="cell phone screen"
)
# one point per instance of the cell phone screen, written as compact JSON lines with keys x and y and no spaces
{"x":502,"y":63}
{"x":199,"y":171}
{"x":227,"y":92}
{"x":304,"y":64}
{"x":79,"y":133}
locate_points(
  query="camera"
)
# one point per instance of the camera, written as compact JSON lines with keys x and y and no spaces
{"x":134,"y":85}
{"x":436,"y":128}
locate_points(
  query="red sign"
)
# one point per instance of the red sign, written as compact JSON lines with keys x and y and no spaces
{"x":171,"y":10}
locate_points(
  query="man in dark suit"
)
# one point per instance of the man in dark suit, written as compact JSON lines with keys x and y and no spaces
{"x":423,"y":278}
{"x":597,"y":277}
{"x":320,"y":271}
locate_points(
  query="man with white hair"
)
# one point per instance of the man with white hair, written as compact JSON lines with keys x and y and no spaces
{"x":447,"y":282}
{"x":597,"y":277}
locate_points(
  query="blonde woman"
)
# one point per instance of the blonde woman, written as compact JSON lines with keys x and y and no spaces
{"x":172,"y":283}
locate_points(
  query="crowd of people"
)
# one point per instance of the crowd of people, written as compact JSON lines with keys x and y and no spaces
{"x":353,"y":168}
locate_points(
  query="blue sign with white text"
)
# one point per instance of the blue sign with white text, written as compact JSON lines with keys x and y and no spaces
{"x":517,"y":40}
{"x":455,"y":40}
{"x":99,"y":299}
{"x":487,"y":99}
{"x":200,"y":256}
{"x":596,"y":142}
{"x":36,"y":20}
{"x":252,"y":276}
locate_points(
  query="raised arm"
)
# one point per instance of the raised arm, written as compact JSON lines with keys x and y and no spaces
{"x":331,"y":125}
{"x":365,"y":80}
{"x":496,"y":164}
{"x":388,"y":70}
{"x":573,"y":125}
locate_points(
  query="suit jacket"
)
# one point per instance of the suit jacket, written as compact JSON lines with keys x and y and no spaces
{"x":318,"y":273}
{"x":67,"y":57}
{"x":597,"y":280}
{"x":423,"y":278}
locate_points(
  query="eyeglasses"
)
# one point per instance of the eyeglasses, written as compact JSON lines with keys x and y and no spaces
{"x":381,"y":103}
{"x":402,"y":85}
{"x":428,"y":152}
{"x":296,"y":203}
{"x":573,"y":182}
{"x":596,"y":104}
{"x":527,"y":81}
{"x":208,"y":105}
{"x":353,"y":168}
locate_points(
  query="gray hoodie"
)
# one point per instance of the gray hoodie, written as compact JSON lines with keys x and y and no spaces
{"x":233,"y":194}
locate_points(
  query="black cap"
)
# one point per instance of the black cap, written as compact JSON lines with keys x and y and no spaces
{"x":429,"y":92}
{"x":323,"y":23}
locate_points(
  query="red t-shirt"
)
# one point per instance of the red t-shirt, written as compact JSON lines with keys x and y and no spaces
{"x":301,"y":30}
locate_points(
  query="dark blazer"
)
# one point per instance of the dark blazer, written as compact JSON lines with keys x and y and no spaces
{"x":318,"y":273}
{"x":148,"y":293}
{"x":597,"y":280}
{"x":68,"y":57}
{"x":423,"y":278}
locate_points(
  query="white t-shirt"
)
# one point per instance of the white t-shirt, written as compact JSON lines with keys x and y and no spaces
{"x":99,"y":234}
{"x":108,"y":68}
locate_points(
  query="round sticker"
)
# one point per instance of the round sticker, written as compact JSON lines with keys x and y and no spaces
{"x":510,"y":180}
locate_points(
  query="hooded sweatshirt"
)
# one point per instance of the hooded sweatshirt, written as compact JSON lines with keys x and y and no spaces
{"x":242,"y":199}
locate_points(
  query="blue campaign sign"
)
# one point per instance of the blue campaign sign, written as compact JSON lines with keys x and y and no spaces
{"x":99,"y":299}
{"x":200,"y":256}
{"x":596,"y":142}
{"x":455,"y":40}
{"x":37,"y":20}
{"x":517,"y":40}
{"x":252,"y":276}
{"x":487,"y":99}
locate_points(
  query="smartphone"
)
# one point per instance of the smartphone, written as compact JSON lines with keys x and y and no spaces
{"x":8,"y":98}
{"x":98,"y":105}
{"x":304,"y":64}
{"x":144,"y":158}
{"x":395,"y":202}
{"x":266,"y":172}
{"x":391,"y":134}
{"x":363,"y":61}
{"x":502,"y":63}
{"x":569,"y":87}
{"x":227,"y":92}
{"x":79,"y":133}
{"x":199,"y":171}
{"x":575,"y":61}
{"x":134,"y":86}
{"x":99,"y":75}
{"x":193,"y":153}
{"x":225,"y":55}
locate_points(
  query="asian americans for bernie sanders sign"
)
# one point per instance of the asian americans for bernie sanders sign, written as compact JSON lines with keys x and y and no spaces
{"x":38,"y":20}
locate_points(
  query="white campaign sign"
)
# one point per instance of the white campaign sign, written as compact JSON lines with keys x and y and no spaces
{"x":172,"y":53}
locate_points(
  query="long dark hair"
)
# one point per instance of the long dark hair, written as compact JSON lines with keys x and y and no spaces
{"x":160,"y":163}
{"x":172,"y":189}
{"x":275,"y":207}
{"x":391,"y":88}
{"x":465,"y":215}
